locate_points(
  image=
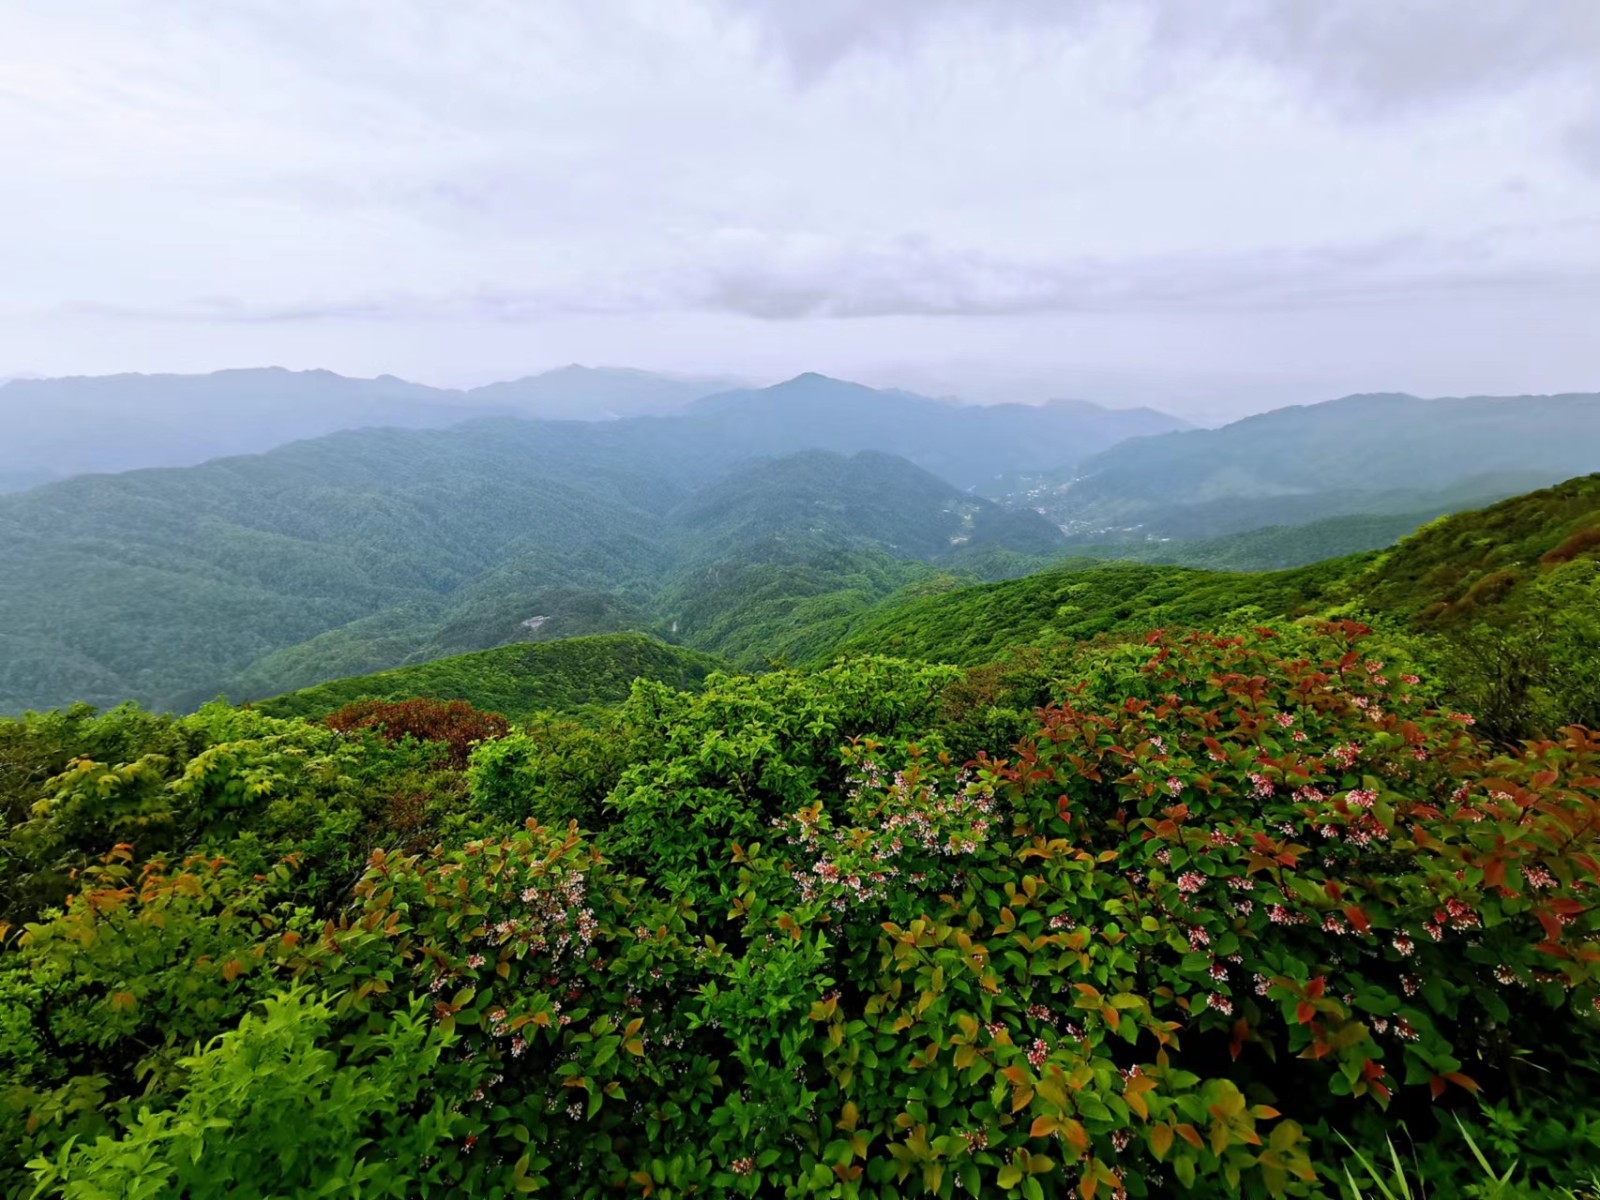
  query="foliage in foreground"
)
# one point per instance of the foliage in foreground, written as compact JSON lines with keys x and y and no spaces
{"x":1218,"y":905}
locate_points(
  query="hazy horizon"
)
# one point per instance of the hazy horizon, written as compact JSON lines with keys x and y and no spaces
{"x":1133,"y":204}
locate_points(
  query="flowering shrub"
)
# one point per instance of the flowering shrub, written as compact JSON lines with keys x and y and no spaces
{"x":455,"y":723}
{"x":1228,"y":901}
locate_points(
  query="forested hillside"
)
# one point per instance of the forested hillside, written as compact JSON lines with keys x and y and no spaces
{"x":360,"y":551}
{"x":567,"y":676}
{"x":370,"y":549}
{"x":1507,"y":596}
{"x":1324,"y":456}
{"x":1361,"y":454}
{"x":385,"y":546}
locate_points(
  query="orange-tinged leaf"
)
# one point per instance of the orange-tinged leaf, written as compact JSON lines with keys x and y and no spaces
{"x":1075,"y":1134}
{"x":231,"y":969}
{"x":1160,"y":1140}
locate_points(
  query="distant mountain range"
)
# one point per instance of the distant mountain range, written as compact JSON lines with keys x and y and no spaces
{"x":748,"y":523}
{"x":62,"y":427}
{"x":57,"y":428}
{"x":1360,"y":454}
{"x":971,"y":445}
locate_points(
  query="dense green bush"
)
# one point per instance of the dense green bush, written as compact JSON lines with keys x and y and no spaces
{"x":1209,"y":906}
{"x":551,"y":771}
{"x":367,"y":1117}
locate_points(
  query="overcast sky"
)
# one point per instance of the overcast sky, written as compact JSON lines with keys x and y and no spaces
{"x":1211,"y":207}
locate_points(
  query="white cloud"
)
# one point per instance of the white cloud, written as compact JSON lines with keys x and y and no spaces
{"x":758,"y":185}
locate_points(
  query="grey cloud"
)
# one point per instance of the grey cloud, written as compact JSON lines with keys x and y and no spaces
{"x":911,"y":277}
{"x":1367,"y":59}
{"x":1382,"y":57}
{"x":776,"y":185}
{"x":486,"y":305}
{"x":1583,"y":141}
{"x":792,"y":277}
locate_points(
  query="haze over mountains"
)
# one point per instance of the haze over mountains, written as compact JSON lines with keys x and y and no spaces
{"x":177,"y":581}
{"x":62,"y":427}
{"x":65,"y":427}
{"x":721,"y":518}
{"x":1359,"y":454}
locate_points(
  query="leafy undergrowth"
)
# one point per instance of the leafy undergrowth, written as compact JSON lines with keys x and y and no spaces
{"x":1177,"y":916}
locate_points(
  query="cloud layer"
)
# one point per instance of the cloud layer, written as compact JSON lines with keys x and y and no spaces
{"x":1049,"y":187}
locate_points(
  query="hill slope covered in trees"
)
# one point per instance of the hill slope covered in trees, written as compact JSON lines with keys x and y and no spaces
{"x":381,"y":547}
{"x":520,"y":680}
{"x":1477,"y":447}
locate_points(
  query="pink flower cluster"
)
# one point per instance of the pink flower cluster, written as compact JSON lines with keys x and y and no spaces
{"x":898,"y":815}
